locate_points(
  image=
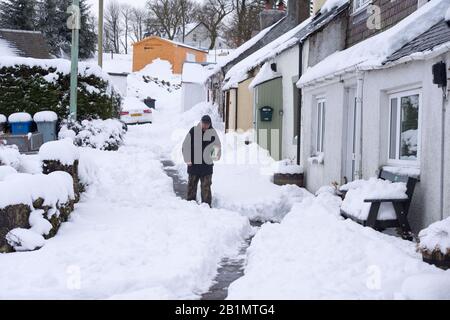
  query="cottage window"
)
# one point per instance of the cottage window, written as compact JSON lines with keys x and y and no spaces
{"x":320,"y":129}
{"x":360,"y":4}
{"x":404,"y":136}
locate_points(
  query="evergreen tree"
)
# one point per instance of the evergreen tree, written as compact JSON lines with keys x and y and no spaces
{"x":88,"y":37}
{"x":18,"y":14}
{"x":48,"y":24}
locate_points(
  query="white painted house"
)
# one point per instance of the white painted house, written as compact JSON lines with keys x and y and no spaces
{"x":374,"y":105}
{"x":193,"y":90}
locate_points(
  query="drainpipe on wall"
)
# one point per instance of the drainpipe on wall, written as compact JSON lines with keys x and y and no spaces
{"x":444,"y":116}
{"x":359,"y":108}
{"x":300,"y":102}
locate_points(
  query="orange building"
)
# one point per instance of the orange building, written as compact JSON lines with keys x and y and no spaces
{"x":151,"y":48}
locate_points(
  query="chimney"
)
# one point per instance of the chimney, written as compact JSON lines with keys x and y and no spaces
{"x":299,"y":10}
{"x":271,"y":14}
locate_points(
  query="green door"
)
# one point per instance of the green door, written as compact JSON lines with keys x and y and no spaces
{"x":269,"y":133}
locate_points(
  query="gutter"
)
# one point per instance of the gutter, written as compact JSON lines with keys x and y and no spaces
{"x":300,"y":103}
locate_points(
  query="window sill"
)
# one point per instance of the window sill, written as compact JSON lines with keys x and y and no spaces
{"x":409,"y":170}
{"x":361,"y":9}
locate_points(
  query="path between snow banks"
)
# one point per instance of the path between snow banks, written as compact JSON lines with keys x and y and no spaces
{"x":130,"y":237}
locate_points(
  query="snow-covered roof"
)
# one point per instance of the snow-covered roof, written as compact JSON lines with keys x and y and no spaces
{"x":239,"y":72}
{"x":265,"y":74}
{"x":372,"y":52}
{"x":193,"y":73}
{"x":180,"y":44}
{"x":23,"y":43}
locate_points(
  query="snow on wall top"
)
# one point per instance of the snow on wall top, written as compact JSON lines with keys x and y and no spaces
{"x":193,"y":73}
{"x":61,"y":65}
{"x":63,"y":151}
{"x":2,"y":118}
{"x":372,"y":52}
{"x":436,"y":237}
{"x":265,"y":74}
{"x":331,"y":4}
{"x":24,"y":188}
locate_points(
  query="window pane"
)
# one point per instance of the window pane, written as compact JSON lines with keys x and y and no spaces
{"x":319,"y":117}
{"x":393,"y":137}
{"x":322,"y":134}
{"x":409,"y":125}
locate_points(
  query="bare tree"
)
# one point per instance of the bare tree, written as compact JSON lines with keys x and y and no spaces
{"x":212,"y":14}
{"x":126,"y":12}
{"x":188,"y":9}
{"x":167,"y":14}
{"x":242,"y":24}
{"x":138,"y":22}
{"x":113,"y":28}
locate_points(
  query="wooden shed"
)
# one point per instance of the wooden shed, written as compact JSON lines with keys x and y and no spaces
{"x":151,"y":48}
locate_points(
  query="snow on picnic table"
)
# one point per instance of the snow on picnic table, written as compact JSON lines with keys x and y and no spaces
{"x":315,"y":254}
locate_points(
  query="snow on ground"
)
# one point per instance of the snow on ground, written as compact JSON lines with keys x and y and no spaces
{"x":130,"y":236}
{"x":314,"y":254}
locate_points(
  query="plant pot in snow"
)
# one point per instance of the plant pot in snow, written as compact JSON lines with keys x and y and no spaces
{"x":437,"y":258}
{"x":282,"y":179}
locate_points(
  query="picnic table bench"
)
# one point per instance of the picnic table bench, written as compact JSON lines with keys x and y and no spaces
{"x":401,"y":207}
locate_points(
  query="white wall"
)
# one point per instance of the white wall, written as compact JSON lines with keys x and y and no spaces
{"x":426,"y":202}
{"x":192,"y":94}
{"x":330,"y":171}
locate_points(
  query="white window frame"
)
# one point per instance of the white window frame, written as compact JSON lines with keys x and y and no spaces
{"x":360,"y":5}
{"x":320,"y":125}
{"x":397,"y":161}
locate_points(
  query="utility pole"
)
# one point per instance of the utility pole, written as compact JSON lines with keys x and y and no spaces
{"x":73,"y":23}
{"x":100,"y":33}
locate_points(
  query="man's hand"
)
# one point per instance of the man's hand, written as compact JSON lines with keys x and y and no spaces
{"x":189,"y":164}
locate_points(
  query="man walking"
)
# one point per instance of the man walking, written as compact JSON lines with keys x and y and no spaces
{"x":199,"y":147}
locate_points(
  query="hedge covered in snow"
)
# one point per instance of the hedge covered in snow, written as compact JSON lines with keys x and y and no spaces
{"x":34,"y":85}
{"x":98,"y":134}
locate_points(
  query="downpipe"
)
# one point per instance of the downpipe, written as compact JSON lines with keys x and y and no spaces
{"x":359,"y":108}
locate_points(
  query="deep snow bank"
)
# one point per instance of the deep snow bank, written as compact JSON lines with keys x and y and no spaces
{"x":314,"y":254}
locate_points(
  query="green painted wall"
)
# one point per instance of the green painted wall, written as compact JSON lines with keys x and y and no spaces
{"x":270,"y":94}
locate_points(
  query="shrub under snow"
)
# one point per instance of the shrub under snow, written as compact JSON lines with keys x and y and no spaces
{"x":98,"y":134}
{"x":9,"y":156}
{"x":436,"y":237}
{"x":62,"y":150}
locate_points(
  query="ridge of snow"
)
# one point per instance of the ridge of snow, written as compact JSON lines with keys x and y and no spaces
{"x":331,"y":4}
{"x":242,"y":48}
{"x":2,"y":118}
{"x":372,"y":52}
{"x":436,"y":237}
{"x":265,"y":74}
{"x":193,"y":73}
{"x":239,"y":71}
{"x":63,"y":151}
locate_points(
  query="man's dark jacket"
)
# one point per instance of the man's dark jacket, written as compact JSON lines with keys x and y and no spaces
{"x":197,"y":149}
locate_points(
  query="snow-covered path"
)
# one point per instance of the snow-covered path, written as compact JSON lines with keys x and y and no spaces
{"x":130,"y":237}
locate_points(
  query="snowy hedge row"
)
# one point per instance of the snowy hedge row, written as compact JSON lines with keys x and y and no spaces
{"x":33,"y":85}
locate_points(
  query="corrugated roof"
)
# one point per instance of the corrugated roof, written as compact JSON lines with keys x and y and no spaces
{"x":435,"y":36}
{"x":29,"y":44}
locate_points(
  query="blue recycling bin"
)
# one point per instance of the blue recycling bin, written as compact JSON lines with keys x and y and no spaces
{"x":18,"y":128}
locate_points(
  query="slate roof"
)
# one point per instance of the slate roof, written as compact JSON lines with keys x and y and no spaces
{"x":29,"y":44}
{"x":435,"y":36}
{"x":285,"y":25}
